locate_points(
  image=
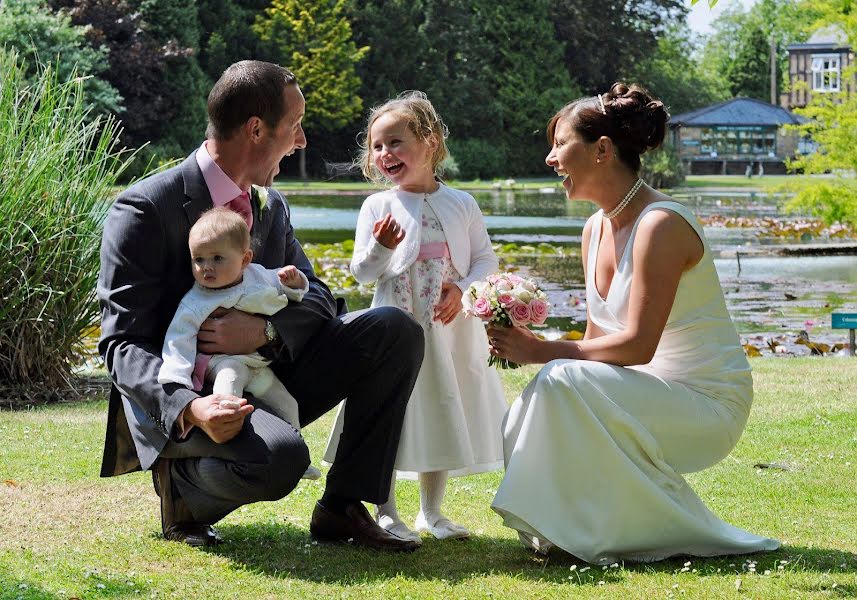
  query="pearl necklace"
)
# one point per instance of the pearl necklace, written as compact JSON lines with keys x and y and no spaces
{"x":628,"y":197}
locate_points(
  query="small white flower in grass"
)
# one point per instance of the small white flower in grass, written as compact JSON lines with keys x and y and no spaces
{"x":584,"y":569}
{"x":573,"y":568}
{"x":604,"y":568}
{"x":685,"y":569}
{"x":100,"y":586}
{"x":614,"y":566}
{"x":687,"y":564}
{"x":737,"y":584}
{"x":601,"y":582}
{"x":675,"y":586}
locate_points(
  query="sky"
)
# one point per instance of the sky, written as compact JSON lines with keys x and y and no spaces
{"x":701,"y":16}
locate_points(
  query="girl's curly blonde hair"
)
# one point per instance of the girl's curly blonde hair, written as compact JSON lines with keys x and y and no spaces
{"x":423,"y":121}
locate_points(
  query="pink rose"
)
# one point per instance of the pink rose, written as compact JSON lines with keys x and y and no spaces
{"x":482,"y":308}
{"x":519,"y":313}
{"x":539,"y":311}
{"x":505,"y":300}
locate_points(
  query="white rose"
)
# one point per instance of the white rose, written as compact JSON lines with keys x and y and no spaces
{"x":522,"y":294}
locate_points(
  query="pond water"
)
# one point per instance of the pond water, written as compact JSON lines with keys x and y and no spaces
{"x":771,"y":297}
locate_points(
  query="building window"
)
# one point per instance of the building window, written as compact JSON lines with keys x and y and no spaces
{"x":825,"y":72}
{"x":738,"y":141}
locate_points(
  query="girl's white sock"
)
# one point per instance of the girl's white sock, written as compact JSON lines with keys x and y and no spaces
{"x":432,"y":488}
{"x":388,"y":517}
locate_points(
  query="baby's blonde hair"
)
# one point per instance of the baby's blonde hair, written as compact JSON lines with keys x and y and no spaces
{"x":220,"y":223}
{"x":423,"y":121}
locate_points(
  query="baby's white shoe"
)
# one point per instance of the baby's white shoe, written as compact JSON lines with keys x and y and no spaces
{"x":441,"y":527}
{"x":312,"y":473}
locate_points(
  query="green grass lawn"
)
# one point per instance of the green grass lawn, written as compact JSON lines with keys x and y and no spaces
{"x":66,"y":533}
{"x":765,"y":183}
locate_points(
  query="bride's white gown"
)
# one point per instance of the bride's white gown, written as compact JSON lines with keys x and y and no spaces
{"x":594,"y":452}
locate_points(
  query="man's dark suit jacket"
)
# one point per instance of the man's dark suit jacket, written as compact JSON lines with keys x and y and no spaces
{"x":145,"y":271}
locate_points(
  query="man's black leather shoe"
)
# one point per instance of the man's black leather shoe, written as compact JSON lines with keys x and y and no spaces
{"x":356,"y":526}
{"x":177,"y":523}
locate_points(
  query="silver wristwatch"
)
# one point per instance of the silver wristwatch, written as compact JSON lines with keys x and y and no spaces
{"x":271,"y":332}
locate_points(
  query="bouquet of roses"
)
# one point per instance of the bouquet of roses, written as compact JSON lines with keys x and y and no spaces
{"x":506,"y":300}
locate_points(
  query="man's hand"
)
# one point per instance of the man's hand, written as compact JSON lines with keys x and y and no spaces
{"x":449,"y":304}
{"x":218,"y":416}
{"x":290,"y":277}
{"x":388,"y":232}
{"x":231,"y":331}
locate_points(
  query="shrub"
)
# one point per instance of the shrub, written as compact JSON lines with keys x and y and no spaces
{"x":59,"y":165}
{"x":478,"y":159}
{"x":662,"y":167}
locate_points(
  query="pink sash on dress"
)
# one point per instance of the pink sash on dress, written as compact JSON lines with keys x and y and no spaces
{"x":199,"y":368}
{"x":433,"y":250}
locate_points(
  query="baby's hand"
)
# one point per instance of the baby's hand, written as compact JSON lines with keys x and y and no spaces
{"x":290,"y":277}
{"x":388,"y":232}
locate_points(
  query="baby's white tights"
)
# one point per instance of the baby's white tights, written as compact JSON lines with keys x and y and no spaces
{"x":233,"y":377}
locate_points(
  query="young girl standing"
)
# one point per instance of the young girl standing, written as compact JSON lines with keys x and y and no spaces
{"x":424,"y":243}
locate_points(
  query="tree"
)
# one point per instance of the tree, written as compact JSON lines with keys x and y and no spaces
{"x":749,"y":73}
{"x":315,"y":41}
{"x":226,"y":33}
{"x":833,"y":126}
{"x":738,"y":52}
{"x":175,"y":25}
{"x":605,"y":39}
{"x":136,"y":65}
{"x":42,"y":36}
{"x":486,"y":66}
{"x":674,"y":75}
{"x":527,"y":93}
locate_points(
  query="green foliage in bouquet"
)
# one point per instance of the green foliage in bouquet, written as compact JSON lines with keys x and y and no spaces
{"x":59,"y":164}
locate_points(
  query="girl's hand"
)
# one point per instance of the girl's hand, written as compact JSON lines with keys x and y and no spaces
{"x":449,"y":304}
{"x":388,"y":232}
{"x":290,"y":277}
{"x":516,"y":344}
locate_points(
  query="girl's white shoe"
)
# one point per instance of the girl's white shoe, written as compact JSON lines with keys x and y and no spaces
{"x":442,"y":528}
{"x":398,"y":528}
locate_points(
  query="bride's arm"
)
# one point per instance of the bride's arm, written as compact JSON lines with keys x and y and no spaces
{"x":592,"y":330}
{"x":665,"y":246}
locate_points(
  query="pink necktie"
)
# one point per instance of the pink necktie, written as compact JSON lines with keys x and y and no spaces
{"x":241,"y":205}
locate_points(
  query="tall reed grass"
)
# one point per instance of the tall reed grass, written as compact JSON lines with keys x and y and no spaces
{"x":57,"y":166}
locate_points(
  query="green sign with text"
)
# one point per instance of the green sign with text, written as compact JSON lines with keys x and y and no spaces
{"x":844,"y":320}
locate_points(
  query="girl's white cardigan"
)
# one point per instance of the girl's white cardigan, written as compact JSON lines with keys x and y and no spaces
{"x":469,"y":246}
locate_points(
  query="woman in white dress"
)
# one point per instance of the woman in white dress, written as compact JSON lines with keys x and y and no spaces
{"x":659,"y":385}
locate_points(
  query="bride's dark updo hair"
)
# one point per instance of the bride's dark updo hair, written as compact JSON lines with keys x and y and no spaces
{"x":630,"y":116}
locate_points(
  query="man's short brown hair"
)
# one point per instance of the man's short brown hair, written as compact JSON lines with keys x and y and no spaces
{"x":249,"y":88}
